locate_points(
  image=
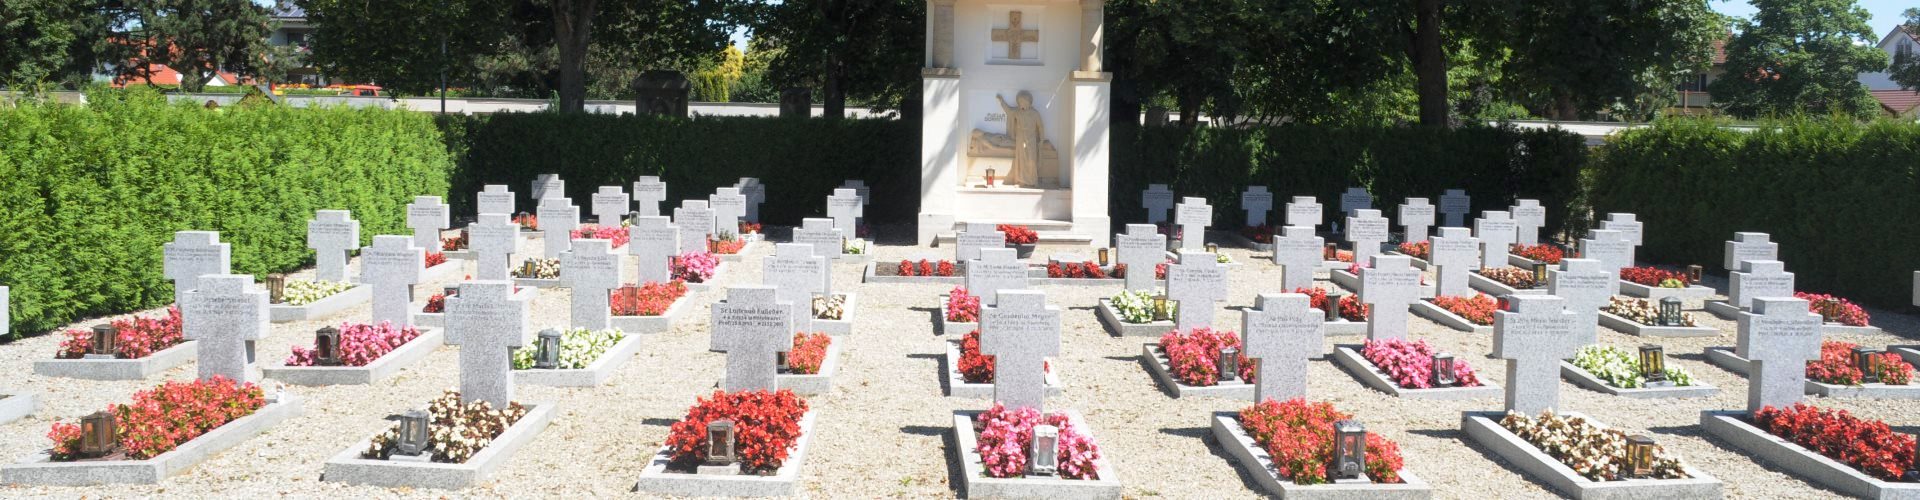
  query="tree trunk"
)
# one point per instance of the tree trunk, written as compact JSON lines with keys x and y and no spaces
{"x":833,"y":77}
{"x":836,"y":99}
{"x":573,"y":31}
{"x":1430,"y":64}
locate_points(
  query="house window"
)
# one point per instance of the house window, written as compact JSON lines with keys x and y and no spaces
{"x":1904,"y":52}
{"x":295,"y":38}
{"x":1694,"y":83}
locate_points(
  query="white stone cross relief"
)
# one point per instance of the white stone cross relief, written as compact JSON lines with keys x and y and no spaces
{"x":1749,"y":246}
{"x":820,"y":236}
{"x":1366,"y":231}
{"x":1528,"y":218}
{"x":1457,"y":253}
{"x":494,"y":239}
{"x":1416,"y":215}
{"x":1196,"y":283}
{"x":224,"y":316}
{"x":1256,"y":201}
{"x":1142,"y":248}
{"x":695,"y":220}
{"x":1587,"y":286}
{"x":193,"y":254}
{"x":653,"y":241}
{"x":488,"y":322}
{"x":1388,"y":285}
{"x":1455,"y":205}
{"x":1015,"y":35}
{"x":558,"y":218}
{"x":978,"y":235}
{"x":1020,"y":333}
{"x":1304,"y":211}
{"x":427,"y":216}
{"x":331,"y":234}
{"x":649,"y":192}
{"x":1778,"y":338}
{"x":1299,"y":253}
{"x":391,"y":266}
{"x":609,"y":205}
{"x":591,"y":270}
{"x":1158,"y":200}
{"x":997,"y":270}
{"x":729,"y":206}
{"x":1283,"y":331}
{"x":1625,"y":223}
{"x":1496,"y":232}
{"x":494,"y":199}
{"x":796,"y":275}
{"x":1534,"y":337}
{"x":1193,"y":215}
{"x":752,"y":326}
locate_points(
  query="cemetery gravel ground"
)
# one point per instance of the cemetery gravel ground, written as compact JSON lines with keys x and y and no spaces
{"x":883,"y":430}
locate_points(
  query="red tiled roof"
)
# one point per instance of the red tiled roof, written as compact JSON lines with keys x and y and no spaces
{"x":1897,"y":102}
{"x":1720,"y":51}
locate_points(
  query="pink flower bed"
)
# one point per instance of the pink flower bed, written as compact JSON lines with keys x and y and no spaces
{"x":1006,"y":435}
{"x":1410,"y":364}
{"x":360,"y":344}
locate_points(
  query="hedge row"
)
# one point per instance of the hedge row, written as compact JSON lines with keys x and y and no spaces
{"x":91,"y":193}
{"x":1841,"y":198}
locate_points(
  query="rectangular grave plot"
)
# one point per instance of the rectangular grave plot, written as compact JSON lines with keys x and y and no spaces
{"x":1418,"y":263}
{"x":870,"y":275}
{"x":1344,"y":328}
{"x":1426,"y":309}
{"x":40,"y":470}
{"x":1349,"y":358}
{"x":1255,"y":461}
{"x":1734,"y":429}
{"x":593,"y":375}
{"x":1909,"y":353}
{"x":444,"y":272}
{"x":439,"y":320}
{"x":1351,"y":282}
{"x":1631,"y":327}
{"x":657,"y":480}
{"x":958,"y":387}
{"x":117,"y":369}
{"x":1724,"y":357}
{"x":819,"y":383}
{"x":387,"y":366}
{"x":703,"y":286}
{"x":1632,"y":289}
{"x":1157,"y":363}
{"x":1496,"y":288}
{"x":1484,"y":428}
{"x":844,"y":325}
{"x":347,"y":466}
{"x":14,"y":405}
{"x":975,"y":483}
{"x":641,"y":325}
{"x":953,"y":327}
{"x":1586,"y":380}
{"x":1111,"y":318}
{"x":324,"y":307}
{"x":1235,"y":239}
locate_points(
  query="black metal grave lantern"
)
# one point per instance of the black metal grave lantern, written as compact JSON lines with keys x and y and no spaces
{"x":413,"y":433}
{"x":106,"y":340}
{"x":1669,"y":312}
{"x":326,"y":346}
{"x":547,"y":355}
{"x":1639,"y":455}
{"x":1349,"y":450}
{"x":1653,"y":365}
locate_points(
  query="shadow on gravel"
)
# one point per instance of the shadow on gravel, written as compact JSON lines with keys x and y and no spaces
{"x":1205,"y":434}
{"x":1689,"y":356}
{"x":1082,"y":308}
{"x":659,"y":422}
{"x":946,"y":445}
{"x":1679,"y":430}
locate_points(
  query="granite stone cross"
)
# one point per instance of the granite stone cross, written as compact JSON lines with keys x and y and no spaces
{"x":649,"y":192}
{"x":1388,"y":285}
{"x":1778,"y":338}
{"x":1454,"y":206}
{"x":1354,"y":200}
{"x":695,"y":220}
{"x":1304,"y":211}
{"x":1196,"y":283}
{"x":1299,"y":253}
{"x":752,"y":326}
{"x":1457,"y":253}
{"x":1496,"y":232}
{"x":979,"y":235}
{"x":729,"y":206}
{"x":331,"y":234}
{"x":494,"y":199}
{"x":1416,"y":215}
{"x":558,"y":218}
{"x":1528,"y":218}
{"x":1158,"y":200}
{"x":860,"y":189}
{"x":1534,"y":337}
{"x":1758,"y":278}
{"x":609,"y":205}
{"x":1366,"y":231}
{"x":494,"y":238}
{"x":997,"y":270}
{"x":1193,"y":215}
{"x":653,"y":241}
{"x":6,"y":318}
{"x":1749,"y":246}
{"x":592,"y":270}
{"x":756,"y":194}
{"x":224,"y":316}
{"x":1627,"y":224}
{"x":797,"y":275}
{"x":1142,"y":248}
{"x":549,"y":186}
{"x":845,"y":207}
{"x":427,"y":216}
{"x":820,"y":236}
{"x":488,"y":322}
{"x":391,"y":266}
{"x":1283,"y":331}
{"x":1256,"y":201}
{"x":1611,"y":248}
{"x":1020,"y":333}
{"x":1586,"y":285}
{"x":193,"y":254}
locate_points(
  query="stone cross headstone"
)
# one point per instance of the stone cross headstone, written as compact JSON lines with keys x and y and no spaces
{"x":1496,"y":232}
{"x":1256,"y":201}
{"x":859,"y":188}
{"x":494,"y":199}
{"x":427,"y":216}
{"x":752,"y":326}
{"x":1586,"y":286}
{"x":1283,"y":331}
{"x":1193,"y":215}
{"x":1354,"y":200}
{"x":1457,"y":253}
{"x":1196,"y":283}
{"x":695,"y":220}
{"x":1158,"y":200}
{"x":653,"y":241}
{"x":979,"y":235}
{"x":1416,"y":215}
{"x":1533,"y":337}
{"x":997,"y":269}
{"x":592,"y":270}
{"x":1142,"y":248}
{"x":797,"y":275}
{"x":224,"y":316}
{"x":558,"y":218}
{"x":1299,"y":253}
{"x":1304,"y":211}
{"x":494,"y":238}
{"x":488,"y":322}
{"x":6,"y":317}
{"x":1758,"y":278}
{"x":845,"y":208}
{"x":1611,"y":248}
{"x":609,"y":205}
{"x":193,"y":254}
{"x":820,"y":236}
{"x":649,"y":192}
{"x":729,"y":206}
{"x":331,"y":234}
{"x":548,"y":186}
{"x":756,"y":194}
{"x":391,"y":266}
{"x":1454,"y":207}
{"x":1916,"y":289}
{"x":1778,"y":338}
{"x":1627,"y":224}
{"x":1528,"y":218}
{"x":1020,"y":333}
{"x":1749,"y":246}
{"x":1388,"y":285}
{"x":1367,"y":230}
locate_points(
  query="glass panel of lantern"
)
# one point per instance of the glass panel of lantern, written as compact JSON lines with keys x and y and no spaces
{"x":326,"y":346}
{"x":1333,"y":305}
{"x":276,"y":288}
{"x":547,"y":357}
{"x":1653,"y":365}
{"x":1103,"y":257}
{"x":1349,"y":450}
{"x":1213,"y":248}
{"x":1639,"y":455}
{"x":413,"y":433}
{"x":720,"y":443}
{"x":1332,"y":252}
{"x":1693,"y":274}
{"x":1443,"y":374}
{"x":1045,"y":459}
{"x":106,"y":340}
{"x":1866,"y":359}
{"x":1539,"y":274}
{"x":1229,"y":363}
{"x":98,"y":434}
{"x":1669,"y":312}
{"x":1160,"y":307}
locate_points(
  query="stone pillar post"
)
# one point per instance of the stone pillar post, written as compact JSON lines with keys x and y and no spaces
{"x":940,"y":32}
{"x":1092,"y":23}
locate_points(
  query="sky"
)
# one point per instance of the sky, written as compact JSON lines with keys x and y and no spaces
{"x":1886,"y":13}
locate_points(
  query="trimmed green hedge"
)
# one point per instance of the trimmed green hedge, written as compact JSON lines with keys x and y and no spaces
{"x":1840,"y":197}
{"x":90,"y":193}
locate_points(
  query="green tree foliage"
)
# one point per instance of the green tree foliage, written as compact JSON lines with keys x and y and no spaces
{"x":1800,"y":56}
{"x":47,"y":40}
{"x":865,"y":50}
{"x":1568,"y":59}
{"x":1906,"y":65}
{"x":198,"y":38}
{"x":398,"y":44}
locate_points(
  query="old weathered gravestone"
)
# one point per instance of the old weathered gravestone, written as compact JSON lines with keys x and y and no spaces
{"x":729,"y":206}
{"x":1020,"y":333}
{"x":1196,"y":282}
{"x":1457,"y":253}
{"x":662,"y":92}
{"x":1528,"y":218}
{"x":609,"y":205}
{"x":494,"y":199}
{"x":1587,"y":287}
{"x":653,"y":241}
{"x":649,"y":192}
{"x":427,"y":216}
{"x":391,"y":266}
{"x":1283,"y":332}
{"x":1627,"y":224}
{"x":548,"y":186}
{"x":224,"y":316}
{"x":1367,"y":230}
{"x":494,"y":238}
{"x":488,"y":322}
{"x":1193,"y":215}
{"x":695,"y":220}
{"x":796,"y":102}
{"x":1759,"y":278}
{"x":1749,"y":246}
{"x":797,"y":275}
{"x":1778,"y":338}
{"x":1304,"y":211}
{"x":331,"y":234}
{"x":1354,"y":200}
{"x":820,"y":236}
{"x":752,"y":326}
{"x":193,"y":254}
{"x":558,"y":218}
{"x":846,"y":207}
{"x":591,"y":269}
{"x":979,"y":235}
{"x":1496,"y":232}
{"x":1611,"y":248}
{"x":1388,"y":285}
{"x":1533,"y":337}
{"x":1298,"y":252}
{"x":1256,"y":201}
{"x":996,"y":270}
{"x":1416,"y":215}
{"x":1142,"y":248}
{"x":1454,"y":206}
{"x":1158,"y":200}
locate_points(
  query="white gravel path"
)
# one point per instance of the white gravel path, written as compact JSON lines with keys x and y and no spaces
{"x":883,"y":430}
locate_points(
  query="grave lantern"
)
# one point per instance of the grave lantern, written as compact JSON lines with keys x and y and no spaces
{"x":780,"y":363}
{"x":1443,"y":374}
{"x":1333,"y":305}
{"x":1213,"y":248}
{"x":720,"y":442}
{"x":990,"y":175}
{"x":1653,"y":365}
{"x":106,"y":340}
{"x":463,"y":240}
{"x":449,"y":291}
{"x":1229,"y":363}
{"x":276,"y":287}
{"x":98,"y":434}
{"x":413,"y":433}
{"x":1669,"y":313}
{"x":1332,"y":252}
{"x":1046,"y":451}
{"x":547,"y":357}
{"x":1867,"y":360}
{"x":1693,"y":274}
{"x":1639,"y":455}
{"x":523,"y":219}
{"x":1174,"y":244}
{"x":1160,"y":307}
{"x":1539,"y":274}
{"x":1103,"y":257}
{"x":632,"y":218}
{"x":1349,"y":450}
{"x":526,"y":268}
{"x":326,"y":346}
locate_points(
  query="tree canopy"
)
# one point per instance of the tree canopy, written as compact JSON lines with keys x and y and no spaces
{"x":1800,"y":56}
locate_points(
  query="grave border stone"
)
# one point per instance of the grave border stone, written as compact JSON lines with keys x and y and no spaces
{"x":655,"y":479}
{"x":38,"y":469}
{"x":595,"y":374}
{"x":118,"y":369}
{"x":1732,"y":428}
{"x":1427,"y":309}
{"x":1484,"y":428}
{"x":1621,"y":324}
{"x":387,"y":366}
{"x":327,"y":306}
{"x":957,"y":386}
{"x":1110,"y":318}
{"x":1586,"y":380}
{"x":347,"y":466}
{"x":975,"y":483}
{"x":1348,"y":357}
{"x":818,"y":383}
{"x":1255,"y":460}
{"x":1158,"y":364}
{"x":642,"y":325}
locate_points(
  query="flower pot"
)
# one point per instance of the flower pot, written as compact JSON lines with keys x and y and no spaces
{"x":1024,"y":251}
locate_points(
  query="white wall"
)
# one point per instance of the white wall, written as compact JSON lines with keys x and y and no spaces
{"x":1059,"y":48}
{"x":1891,"y":45}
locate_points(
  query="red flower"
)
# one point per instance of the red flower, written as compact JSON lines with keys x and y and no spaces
{"x":1542,"y":253}
{"x":1477,"y":309}
{"x":1019,"y":235}
{"x":1194,"y":357}
{"x":765,"y":426}
{"x":1299,"y":436}
{"x":651,"y":299}
{"x":809,"y":352}
{"x":1869,"y":445}
{"x":435,"y":259}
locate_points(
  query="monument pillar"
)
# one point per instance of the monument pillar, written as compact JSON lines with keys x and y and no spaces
{"x":1092,"y":28}
{"x":1091,"y":93}
{"x":940,"y":134}
{"x":940,"y":33}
